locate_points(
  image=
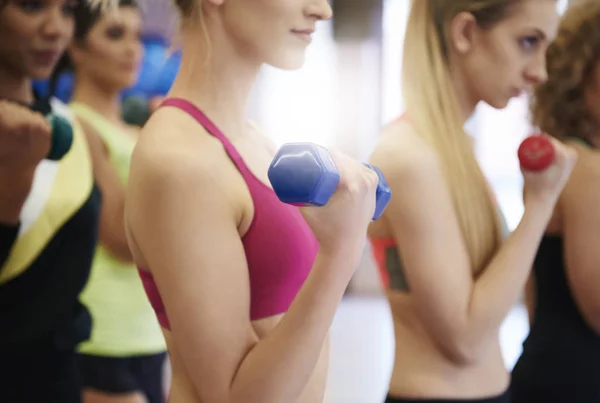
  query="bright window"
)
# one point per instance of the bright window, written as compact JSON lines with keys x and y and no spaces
{"x":300,"y":105}
{"x":497,"y":132}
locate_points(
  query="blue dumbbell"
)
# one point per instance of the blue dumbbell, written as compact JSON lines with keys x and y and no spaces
{"x":305,"y":174}
{"x":62,"y":137}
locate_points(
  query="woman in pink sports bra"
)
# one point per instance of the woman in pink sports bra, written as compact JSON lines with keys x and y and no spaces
{"x":245,"y":287}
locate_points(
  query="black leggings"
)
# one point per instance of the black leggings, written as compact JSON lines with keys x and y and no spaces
{"x":556,"y":378}
{"x":39,"y":374}
{"x":122,"y":375}
{"x":503,"y":398}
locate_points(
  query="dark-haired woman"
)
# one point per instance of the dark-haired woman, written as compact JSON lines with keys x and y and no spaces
{"x":49,"y":212}
{"x":560,"y":362}
{"x":123,"y":361}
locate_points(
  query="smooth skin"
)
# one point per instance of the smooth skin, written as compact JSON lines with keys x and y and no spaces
{"x":188,"y":207}
{"x":446,"y":327}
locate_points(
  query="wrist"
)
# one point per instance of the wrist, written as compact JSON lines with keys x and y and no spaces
{"x":341,"y":260}
{"x":539,"y":209}
{"x":540,"y":204}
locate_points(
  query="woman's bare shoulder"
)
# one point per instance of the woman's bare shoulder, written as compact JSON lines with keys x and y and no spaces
{"x":172,"y":144}
{"x":401,"y":150}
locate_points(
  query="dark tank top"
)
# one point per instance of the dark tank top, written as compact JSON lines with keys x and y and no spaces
{"x":561,"y":350}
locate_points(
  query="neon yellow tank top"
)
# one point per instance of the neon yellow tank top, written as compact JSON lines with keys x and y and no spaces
{"x":123,"y":321}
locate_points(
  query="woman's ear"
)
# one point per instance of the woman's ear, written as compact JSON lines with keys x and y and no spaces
{"x":463,"y":29}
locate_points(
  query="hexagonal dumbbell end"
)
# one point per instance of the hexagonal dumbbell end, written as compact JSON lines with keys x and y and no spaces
{"x":304,"y":174}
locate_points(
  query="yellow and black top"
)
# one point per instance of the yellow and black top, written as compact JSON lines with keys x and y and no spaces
{"x":45,"y":260}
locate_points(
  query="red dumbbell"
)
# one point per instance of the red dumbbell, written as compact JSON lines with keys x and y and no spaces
{"x":536,"y":153}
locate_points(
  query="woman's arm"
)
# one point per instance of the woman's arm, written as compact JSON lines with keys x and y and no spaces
{"x":25,"y":138}
{"x":462,"y":314}
{"x":184,"y":222}
{"x":580,"y":210}
{"x":112,"y":227}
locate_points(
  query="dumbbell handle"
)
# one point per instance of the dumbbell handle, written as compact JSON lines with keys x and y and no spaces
{"x":383,"y":194}
{"x":536,"y":153}
{"x":304,"y":174}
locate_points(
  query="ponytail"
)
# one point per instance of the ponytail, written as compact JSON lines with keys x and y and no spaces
{"x":434,"y":111}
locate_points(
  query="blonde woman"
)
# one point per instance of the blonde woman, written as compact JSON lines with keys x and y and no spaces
{"x":449,"y":277}
{"x":245,"y":287}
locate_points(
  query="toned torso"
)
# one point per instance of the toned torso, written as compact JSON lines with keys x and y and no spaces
{"x":421,"y":369}
{"x":257,"y":152}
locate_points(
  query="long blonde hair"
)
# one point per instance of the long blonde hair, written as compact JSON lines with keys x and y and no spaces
{"x":433,"y":109}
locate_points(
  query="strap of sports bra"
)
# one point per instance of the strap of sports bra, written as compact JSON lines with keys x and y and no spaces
{"x":210,"y":127}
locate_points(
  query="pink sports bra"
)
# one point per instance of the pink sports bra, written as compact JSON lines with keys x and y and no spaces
{"x":280,"y":246}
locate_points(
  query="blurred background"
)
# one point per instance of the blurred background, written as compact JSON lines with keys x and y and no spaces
{"x":349,"y":88}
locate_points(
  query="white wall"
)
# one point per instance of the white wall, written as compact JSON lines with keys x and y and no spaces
{"x":346,"y":91}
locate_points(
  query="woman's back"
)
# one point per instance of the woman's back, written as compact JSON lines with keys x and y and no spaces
{"x":421,"y":363}
{"x":124,"y":323}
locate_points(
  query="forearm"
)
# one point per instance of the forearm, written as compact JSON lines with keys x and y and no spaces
{"x":15,"y":186}
{"x":278,"y":368}
{"x":502,"y":283}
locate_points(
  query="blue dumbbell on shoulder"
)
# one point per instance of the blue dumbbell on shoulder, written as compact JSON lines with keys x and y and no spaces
{"x":305,"y":174}
{"x":62,"y":137}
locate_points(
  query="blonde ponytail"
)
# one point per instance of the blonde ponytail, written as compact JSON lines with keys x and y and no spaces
{"x":433,"y":110}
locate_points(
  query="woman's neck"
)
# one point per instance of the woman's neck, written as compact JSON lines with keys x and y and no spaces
{"x":462,"y":89}
{"x":15,"y":87}
{"x":218,"y":79}
{"x":105,"y":102}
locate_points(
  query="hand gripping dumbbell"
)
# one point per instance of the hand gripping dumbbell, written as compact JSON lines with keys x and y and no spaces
{"x":304,"y":174}
{"x":62,"y":131}
{"x":536,"y":153}
{"x":62,"y":137}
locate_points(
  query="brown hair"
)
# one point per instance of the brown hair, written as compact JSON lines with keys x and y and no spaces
{"x":433,"y":109}
{"x":558,"y":106}
{"x":188,"y":9}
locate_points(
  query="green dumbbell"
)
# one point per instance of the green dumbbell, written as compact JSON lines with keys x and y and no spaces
{"x":62,"y":137}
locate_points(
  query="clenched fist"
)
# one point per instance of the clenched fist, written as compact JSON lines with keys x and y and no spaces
{"x":25,"y":136}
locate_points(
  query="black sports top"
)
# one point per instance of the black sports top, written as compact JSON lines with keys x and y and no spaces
{"x":561,"y":348}
{"x":45,"y":260}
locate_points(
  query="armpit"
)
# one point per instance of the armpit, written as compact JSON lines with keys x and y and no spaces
{"x":395,"y":270}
